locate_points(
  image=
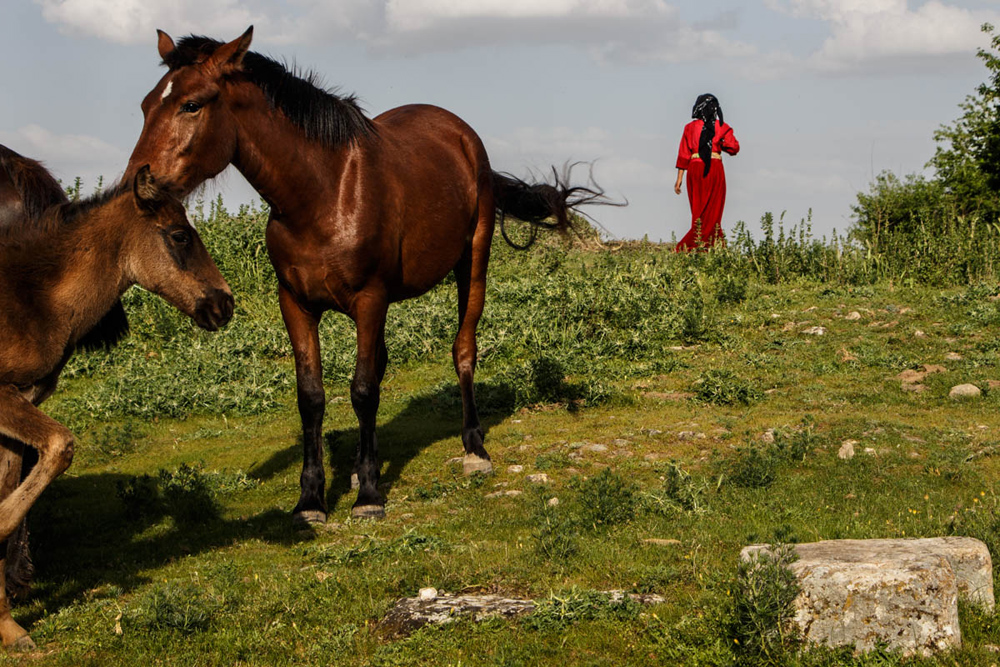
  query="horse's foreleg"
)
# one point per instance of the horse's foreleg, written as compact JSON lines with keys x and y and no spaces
{"x":22,"y":421}
{"x":470,"y":277}
{"x":303,"y":330}
{"x":369,"y":368}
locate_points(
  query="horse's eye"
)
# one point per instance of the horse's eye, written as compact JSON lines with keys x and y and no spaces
{"x":181,"y":236}
{"x":190,"y":107}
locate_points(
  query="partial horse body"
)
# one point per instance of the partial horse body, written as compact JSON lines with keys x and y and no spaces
{"x":364,"y":213}
{"x":64,"y":270}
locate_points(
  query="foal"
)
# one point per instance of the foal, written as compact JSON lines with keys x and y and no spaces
{"x":61,"y":273}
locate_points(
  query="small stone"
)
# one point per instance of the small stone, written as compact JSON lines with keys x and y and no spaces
{"x":596,"y":448}
{"x":815,"y":331}
{"x":767,"y":436}
{"x":809,"y":309}
{"x":577,"y":445}
{"x":846,"y":450}
{"x":427,"y":593}
{"x":553,"y":502}
{"x":915,"y":388}
{"x":965,"y":391}
{"x":512,"y":493}
{"x":919,"y":334}
{"x":953,"y":356}
{"x":853,"y":316}
{"x":870,"y":451}
{"x":538,"y":478}
{"x":620,"y":442}
{"x":845,"y":356}
{"x":686,"y":435}
{"x":515,"y":469}
{"x":935,"y":368}
{"x":494,"y":494}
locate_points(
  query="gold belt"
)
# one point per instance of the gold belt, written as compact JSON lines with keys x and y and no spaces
{"x":715,"y":156}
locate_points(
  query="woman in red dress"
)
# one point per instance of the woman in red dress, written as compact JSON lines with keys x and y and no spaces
{"x":705,"y":139}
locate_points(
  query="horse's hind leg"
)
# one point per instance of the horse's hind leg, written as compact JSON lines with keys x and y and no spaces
{"x":470,"y":276}
{"x":10,"y":476}
{"x":369,"y":316}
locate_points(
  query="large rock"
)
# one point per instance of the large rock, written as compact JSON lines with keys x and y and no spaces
{"x":902,"y":593}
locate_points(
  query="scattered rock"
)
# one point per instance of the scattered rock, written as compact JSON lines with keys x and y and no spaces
{"x":809,"y":309}
{"x":661,"y":543}
{"x":767,"y":436}
{"x":668,"y":395}
{"x":965,"y":391}
{"x":853,"y":316}
{"x":919,"y":334}
{"x":870,"y":451}
{"x":596,"y":448}
{"x":845,"y":356}
{"x":553,"y":502}
{"x":620,"y":442}
{"x":512,"y":493}
{"x":910,"y":376}
{"x":953,"y":356}
{"x":935,"y":368}
{"x":515,"y":469}
{"x":538,"y":478}
{"x":788,"y":326}
{"x":916,"y":388}
{"x":815,"y":331}
{"x":846,"y":451}
{"x":899,"y":593}
{"x":427,"y":593}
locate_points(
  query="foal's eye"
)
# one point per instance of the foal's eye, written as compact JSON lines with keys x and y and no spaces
{"x":181,"y":236}
{"x":190,"y":107}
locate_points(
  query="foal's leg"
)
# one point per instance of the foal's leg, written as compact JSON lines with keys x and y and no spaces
{"x":303,"y":330}
{"x":10,"y":476}
{"x":470,"y":276}
{"x":22,"y":421}
{"x":368,"y":371}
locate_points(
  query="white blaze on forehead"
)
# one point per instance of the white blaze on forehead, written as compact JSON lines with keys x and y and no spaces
{"x":167,"y":90}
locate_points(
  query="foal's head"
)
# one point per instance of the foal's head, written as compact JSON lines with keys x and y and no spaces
{"x":165,"y":255}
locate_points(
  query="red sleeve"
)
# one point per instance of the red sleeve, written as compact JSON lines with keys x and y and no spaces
{"x":728,"y":143}
{"x":686,"y":149}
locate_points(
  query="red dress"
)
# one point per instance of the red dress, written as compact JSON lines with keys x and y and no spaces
{"x":707,"y":194}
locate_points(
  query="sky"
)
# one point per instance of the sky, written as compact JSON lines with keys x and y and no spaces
{"x":822,"y":94}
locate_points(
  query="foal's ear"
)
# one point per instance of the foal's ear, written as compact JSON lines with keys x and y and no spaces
{"x":230,"y":56}
{"x":164,"y":44}
{"x":148,"y":195}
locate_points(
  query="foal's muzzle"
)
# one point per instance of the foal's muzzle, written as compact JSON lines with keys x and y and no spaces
{"x":214,"y":310}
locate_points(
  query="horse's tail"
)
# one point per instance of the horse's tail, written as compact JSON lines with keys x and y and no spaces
{"x":545,"y":205}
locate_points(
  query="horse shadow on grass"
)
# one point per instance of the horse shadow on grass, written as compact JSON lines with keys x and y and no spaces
{"x":86,"y":537}
{"x":426,"y":419}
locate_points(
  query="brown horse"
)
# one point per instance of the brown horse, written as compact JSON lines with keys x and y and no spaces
{"x":364,"y":213}
{"x":63,"y":271}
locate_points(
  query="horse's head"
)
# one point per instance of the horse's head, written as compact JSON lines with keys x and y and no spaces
{"x":189,"y":131}
{"x":165,"y":255}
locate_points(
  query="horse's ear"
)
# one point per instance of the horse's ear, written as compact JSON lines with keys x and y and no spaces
{"x":230,"y":56}
{"x":148,"y":194}
{"x":164,"y":44}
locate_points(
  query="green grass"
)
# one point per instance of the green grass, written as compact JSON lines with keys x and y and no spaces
{"x":639,"y":382}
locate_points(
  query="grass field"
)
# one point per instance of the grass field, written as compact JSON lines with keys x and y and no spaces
{"x":678,"y":399}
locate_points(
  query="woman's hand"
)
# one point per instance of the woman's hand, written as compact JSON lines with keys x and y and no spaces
{"x":680,"y":180}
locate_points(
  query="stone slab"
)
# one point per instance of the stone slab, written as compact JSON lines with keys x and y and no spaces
{"x":902,"y":593}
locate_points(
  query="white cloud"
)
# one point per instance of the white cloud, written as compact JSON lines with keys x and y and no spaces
{"x":67,"y":155}
{"x":633,"y":30}
{"x":870,"y":33}
{"x":135,"y":21}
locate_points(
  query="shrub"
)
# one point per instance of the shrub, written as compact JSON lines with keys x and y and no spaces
{"x":607,"y":499}
{"x":724,"y":387}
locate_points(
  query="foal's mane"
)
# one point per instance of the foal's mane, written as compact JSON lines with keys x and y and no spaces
{"x":324,"y":116}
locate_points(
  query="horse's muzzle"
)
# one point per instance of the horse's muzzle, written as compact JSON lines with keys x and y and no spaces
{"x":214,"y":310}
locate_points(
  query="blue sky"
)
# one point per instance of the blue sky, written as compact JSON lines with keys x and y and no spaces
{"x":822,"y":94}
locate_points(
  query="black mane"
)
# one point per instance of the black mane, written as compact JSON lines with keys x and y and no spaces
{"x":323,"y":115}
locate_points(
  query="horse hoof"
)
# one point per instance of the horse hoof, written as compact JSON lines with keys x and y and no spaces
{"x":23,"y":644}
{"x":308,"y":517}
{"x":472,"y":464}
{"x":355,"y":482}
{"x":368,"y":512}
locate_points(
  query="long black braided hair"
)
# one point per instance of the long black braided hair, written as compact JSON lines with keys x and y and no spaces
{"x":707,"y":109}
